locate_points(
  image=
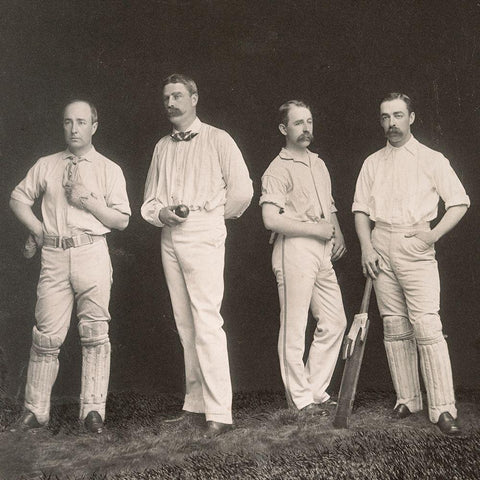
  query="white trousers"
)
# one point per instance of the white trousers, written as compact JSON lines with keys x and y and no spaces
{"x":408,"y":295}
{"x":82,"y":275}
{"x":306,"y":279}
{"x":193,"y":256}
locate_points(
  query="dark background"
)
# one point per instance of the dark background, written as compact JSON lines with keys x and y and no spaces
{"x":247,"y":58}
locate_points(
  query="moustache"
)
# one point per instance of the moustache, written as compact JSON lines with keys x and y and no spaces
{"x":173,"y":112}
{"x":305,"y":136}
{"x":393,"y":130}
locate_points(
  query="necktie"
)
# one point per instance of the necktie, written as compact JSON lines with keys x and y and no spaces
{"x":70,"y":173}
{"x":183,"y":136}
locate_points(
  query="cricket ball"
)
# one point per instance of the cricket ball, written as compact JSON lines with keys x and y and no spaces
{"x":182,"y":211}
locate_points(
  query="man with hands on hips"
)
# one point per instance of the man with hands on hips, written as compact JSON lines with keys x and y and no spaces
{"x":297,"y":205}
{"x":398,"y":189}
{"x":84,"y":197}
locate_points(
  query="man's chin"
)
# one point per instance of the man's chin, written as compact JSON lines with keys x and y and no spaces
{"x":74,"y":143}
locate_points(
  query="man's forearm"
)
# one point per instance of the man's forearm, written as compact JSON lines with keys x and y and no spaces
{"x":110,"y":217}
{"x":336,"y":224}
{"x":26,"y":216}
{"x":364,"y":230}
{"x":292,"y":228}
{"x":278,"y":223}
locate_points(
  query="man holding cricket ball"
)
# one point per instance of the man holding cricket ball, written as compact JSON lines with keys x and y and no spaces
{"x":196,"y":180}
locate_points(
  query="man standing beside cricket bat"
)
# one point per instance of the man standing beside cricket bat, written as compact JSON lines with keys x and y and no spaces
{"x":398,"y":189}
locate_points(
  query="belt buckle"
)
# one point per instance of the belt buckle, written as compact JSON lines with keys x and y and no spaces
{"x":67,"y":243}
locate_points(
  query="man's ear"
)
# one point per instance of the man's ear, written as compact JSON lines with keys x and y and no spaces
{"x":412,"y":118}
{"x":283,"y":129}
{"x":94,"y":128}
{"x":194,"y":99}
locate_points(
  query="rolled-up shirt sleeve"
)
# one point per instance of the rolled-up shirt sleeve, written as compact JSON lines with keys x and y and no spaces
{"x":363,"y":189}
{"x":274,"y":190}
{"x":117,"y":197}
{"x":31,"y":187}
{"x":448,"y":185}
{"x":151,"y":204}
{"x":239,"y":189}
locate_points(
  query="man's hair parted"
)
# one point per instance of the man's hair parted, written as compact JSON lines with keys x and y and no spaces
{"x":181,"y":78}
{"x":93,"y":109}
{"x":285,"y":108}
{"x":399,"y":96}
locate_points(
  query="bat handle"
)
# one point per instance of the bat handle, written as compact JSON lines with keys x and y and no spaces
{"x":366,"y":295}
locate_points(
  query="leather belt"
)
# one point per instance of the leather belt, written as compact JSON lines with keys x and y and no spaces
{"x":72,"y":242}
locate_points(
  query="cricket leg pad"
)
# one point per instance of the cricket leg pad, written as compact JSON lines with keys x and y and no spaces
{"x":402,"y":356}
{"x":436,"y":367}
{"x":95,"y":367}
{"x":41,"y":375}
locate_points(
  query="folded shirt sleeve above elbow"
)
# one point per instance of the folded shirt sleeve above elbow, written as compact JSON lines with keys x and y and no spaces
{"x":363,"y":190}
{"x":117,"y":197}
{"x":449,"y":186}
{"x":30,"y":188}
{"x":273,"y":191}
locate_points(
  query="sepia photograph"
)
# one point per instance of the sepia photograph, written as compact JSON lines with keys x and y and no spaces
{"x":240,"y":239}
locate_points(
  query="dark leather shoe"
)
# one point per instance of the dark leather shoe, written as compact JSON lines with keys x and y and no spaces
{"x":216,"y":428}
{"x":448,"y":425}
{"x":184,"y":416}
{"x":27,"y":421}
{"x":401,"y":411}
{"x":314,"y":409}
{"x":329,"y":403}
{"x":93,"y":422}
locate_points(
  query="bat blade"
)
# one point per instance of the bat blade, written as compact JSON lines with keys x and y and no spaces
{"x":354,"y":356}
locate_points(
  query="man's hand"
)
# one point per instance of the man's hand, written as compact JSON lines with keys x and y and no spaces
{"x":79,"y":196}
{"x":370,"y":259}
{"x":37,"y":234}
{"x":167,"y":216}
{"x":339,"y":248}
{"x":426,"y":237}
{"x":325,"y":230}
{"x":38,"y":237}
{"x":33,"y":243}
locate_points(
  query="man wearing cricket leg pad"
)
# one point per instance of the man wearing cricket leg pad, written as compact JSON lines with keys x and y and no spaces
{"x":297,"y":205}
{"x":399,"y":188}
{"x":95,"y":367}
{"x":83,"y":198}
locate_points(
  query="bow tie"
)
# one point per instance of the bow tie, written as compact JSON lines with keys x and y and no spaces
{"x":183,"y":136}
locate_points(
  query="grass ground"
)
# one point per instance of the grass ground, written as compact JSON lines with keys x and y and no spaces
{"x":269,"y":442}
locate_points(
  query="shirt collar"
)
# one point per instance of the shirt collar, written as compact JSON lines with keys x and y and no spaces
{"x":90,"y":155}
{"x":194,"y":127}
{"x":287,"y":155}
{"x":411,"y":147}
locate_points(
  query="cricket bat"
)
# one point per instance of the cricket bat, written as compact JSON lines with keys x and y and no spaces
{"x":352,"y":351}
